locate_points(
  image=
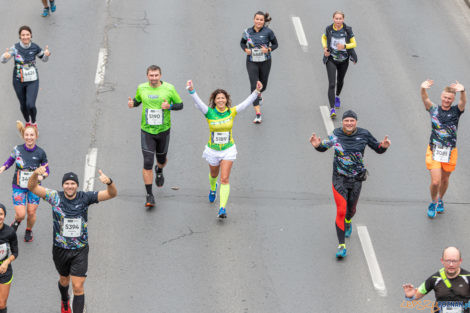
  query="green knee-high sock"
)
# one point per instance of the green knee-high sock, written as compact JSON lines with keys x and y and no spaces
{"x":213,"y":182}
{"x":224,"y":193}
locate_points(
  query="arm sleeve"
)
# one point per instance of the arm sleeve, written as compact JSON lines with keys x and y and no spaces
{"x":44,"y":162}
{"x":323,"y":40}
{"x":274,"y":43}
{"x":352,"y":43}
{"x":14,"y":244}
{"x":9,"y":162}
{"x":52,"y":196}
{"x":137,"y":98}
{"x":176,"y":102}
{"x":42,"y":56}
{"x":242,"y":43}
{"x":92,"y":197}
{"x":325,"y":145}
{"x":251,"y":98}
{"x":374,"y":144}
{"x":201,"y":106}
{"x":12,"y":53}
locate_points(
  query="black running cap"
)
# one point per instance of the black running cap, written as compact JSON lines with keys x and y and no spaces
{"x":350,"y":113}
{"x":70,"y":176}
{"x":4,"y":209}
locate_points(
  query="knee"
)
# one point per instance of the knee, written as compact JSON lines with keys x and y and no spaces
{"x":78,"y":288}
{"x":161,"y":159}
{"x":224,"y":180}
{"x":435,"y":183}
{"x":148,"y":161}
{"x":3,"y":304}
{"x":20,"y":216}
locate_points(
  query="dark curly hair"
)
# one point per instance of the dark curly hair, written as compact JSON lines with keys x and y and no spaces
{"x":215,"y":93}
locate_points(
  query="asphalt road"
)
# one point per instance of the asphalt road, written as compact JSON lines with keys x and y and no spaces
{"x":275,"y":252}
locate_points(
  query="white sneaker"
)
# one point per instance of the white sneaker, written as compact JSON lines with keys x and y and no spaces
{"x":257,"y":119}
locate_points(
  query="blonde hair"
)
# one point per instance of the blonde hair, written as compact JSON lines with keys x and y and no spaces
{"x":338,"y":12}
{"x":21,"y":128}
{"x":450,"y":90}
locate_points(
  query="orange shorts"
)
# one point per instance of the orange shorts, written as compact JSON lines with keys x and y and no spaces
{"x":448,"y":167}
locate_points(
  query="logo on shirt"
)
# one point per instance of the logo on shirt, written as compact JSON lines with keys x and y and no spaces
{"x":35,"y":158}
{"x":153,"y":96}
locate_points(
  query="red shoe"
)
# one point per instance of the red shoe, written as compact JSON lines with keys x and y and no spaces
{"x":27,"y":124}
{"x":65,"y":308}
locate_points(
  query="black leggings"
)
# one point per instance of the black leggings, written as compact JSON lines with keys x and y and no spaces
{"x":27,"y":93}
{"x":258,"y":71}
{"x":331,"y":68}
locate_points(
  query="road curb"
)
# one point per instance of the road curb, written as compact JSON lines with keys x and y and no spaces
{"x":467,"y":2}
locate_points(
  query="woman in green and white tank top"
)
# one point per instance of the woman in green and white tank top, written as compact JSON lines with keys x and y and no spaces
{"x":220,"y":151}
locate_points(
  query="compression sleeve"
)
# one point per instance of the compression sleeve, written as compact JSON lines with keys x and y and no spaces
{"x":201,"y":106}
{"x":323,"y":40}
{"x":14,"y":244}
{"x":9,"y":162}
{"x":352,"y":43}
{"x":176,"y":106}
{"x":251,"y":98}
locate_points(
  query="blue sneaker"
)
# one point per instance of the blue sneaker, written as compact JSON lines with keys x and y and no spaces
{"x":45,"y":12}
{"x":440,"y":206}
{"x":341,"y":253}
{"x":332,"y":113}
{"x":432,"y":210}
{"x":222,"y":213}
{"x":52,"y":6}
{"x":337,"y":100}
{"x":213,"y":194}
{"x":348,"y":230}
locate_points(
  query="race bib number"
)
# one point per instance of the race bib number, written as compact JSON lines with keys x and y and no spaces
{"x":154,"y":116}
{"x":3,"y":251}
{"x":29,"y":74}
{"x":452,"y":309}
{"x":23,"y":178}
{"x":72,"y":227}
{"x":335,"y":41}
{"x":257,"y":55}
{"x":220,"y":138}
{"x":441,"y":154}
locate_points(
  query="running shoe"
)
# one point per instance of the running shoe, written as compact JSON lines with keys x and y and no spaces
{"x":440,"y":206}
{"x":52,"y":6}
{"x":257,"y":119}
{"x":65,"y":307}
{"x":28,"y":235}
{"x":348,"y":230}
{"x":159,"y":179}
{"x":213,"y":194}
{"x":27,"y":124}
{"x":337,"y":102}
{"x":222,"y":213}
{"x":150,"y":202}
{"x":432,"y":210}
{"x":341,"y":253}
{"x":332,"y":113}
{"x":45,"y":12}
{"x":15,"y":225}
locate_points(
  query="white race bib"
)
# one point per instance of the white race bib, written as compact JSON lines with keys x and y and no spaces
{"x":154,"y":116}
{"x":220,"y":138}
{"x":335,"y":41}
{"x":29,"y":74}
{"x":23,"y":178}
{"x":3,"y":251}
{"x":72,"y":227}
{"x":257,"y":55}
{"x":452,"y":309}
{"x":441,"y":154}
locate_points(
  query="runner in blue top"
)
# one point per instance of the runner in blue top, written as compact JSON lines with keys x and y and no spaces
{"x":70,"y":231}
{"x":26,"y":157}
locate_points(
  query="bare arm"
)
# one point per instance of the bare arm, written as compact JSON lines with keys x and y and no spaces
{"x":33,"y":183}
{"x":110,"y":191}
{"x":424,"y":94}
{"x":463,"y":96}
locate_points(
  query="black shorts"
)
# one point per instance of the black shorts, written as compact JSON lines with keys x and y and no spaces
{"x":157,"y":144}
{"x":71,"y":261}
{"x":7,"y":277}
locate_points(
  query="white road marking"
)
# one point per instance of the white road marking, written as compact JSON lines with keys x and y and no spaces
{"x":325,"y":113}
{"x":369,"y":253}
{"x":90,"y":168}
{"x":300,"y":31}
{"x":100,"y":69}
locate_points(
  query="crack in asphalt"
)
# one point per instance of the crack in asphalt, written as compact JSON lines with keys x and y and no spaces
{"x":191,"y":232}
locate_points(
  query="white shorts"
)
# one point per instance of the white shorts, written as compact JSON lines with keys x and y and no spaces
{"x":213,"y":157}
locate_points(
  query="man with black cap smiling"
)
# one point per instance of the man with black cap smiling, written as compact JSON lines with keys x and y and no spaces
{"x":70,"y":231}
{"x":349,"y":171}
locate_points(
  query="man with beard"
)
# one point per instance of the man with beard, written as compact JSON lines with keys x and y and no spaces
{"x":70,"y":231}
{"x":451,"y":284}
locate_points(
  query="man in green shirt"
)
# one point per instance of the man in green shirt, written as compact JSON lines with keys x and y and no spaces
{"x":158,"y":99}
